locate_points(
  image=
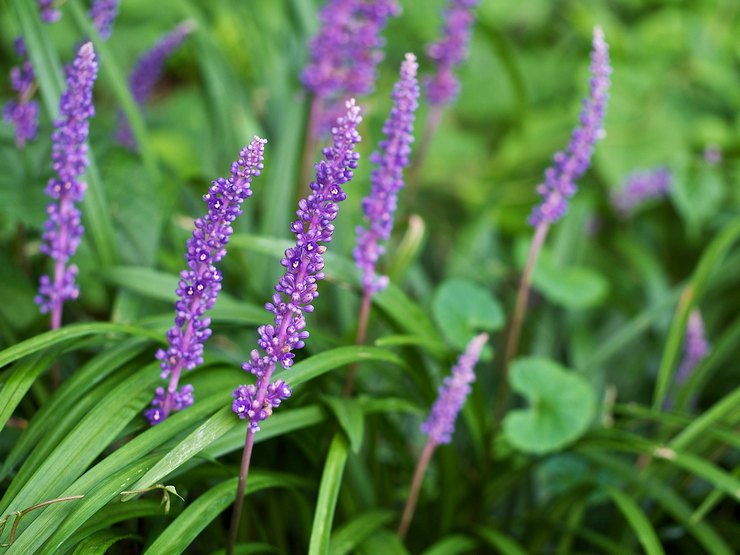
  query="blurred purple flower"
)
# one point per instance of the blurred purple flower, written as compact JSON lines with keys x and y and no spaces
{"x":568,"y":166}
{"x":23,"y":113}
{"x":695,"y":347}
{"x":200,"y":283}
{"x":296,"y":290}
{"x":440,"y":424}
{"x":448,"y":52}
{"x":348,"y":47}
{"x":103,"y":13}
{"x":391,"y":158}
{"x":712,"y":155}
{"x":63,"y":230}
{"x":49,"y":14}
{"x":146,"y":73}
{"x":640,"y":187}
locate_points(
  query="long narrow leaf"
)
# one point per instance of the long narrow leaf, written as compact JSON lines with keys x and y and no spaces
{"x":641,"y":525}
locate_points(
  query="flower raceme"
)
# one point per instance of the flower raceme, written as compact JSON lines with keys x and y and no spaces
{"x":200,"y":283}
{"x":103,"y":13}
{"x":63,"y":230}
{"x":640,"y":187}
{"x":569,"y":165}
{"x":49,"y":14}
{"x":23,"y":114}
{"x":297,"y":289}
{"x":391,"y":158}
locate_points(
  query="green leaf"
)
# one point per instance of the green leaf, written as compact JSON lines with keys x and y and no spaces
{"x":501,"y":542}
{"x":72,"y":331}
{"x":562,"y":405}
{"x":462,"y":308}
{"x":382,"y":541}
{"x":452,"y":545}
{"x":574,"y":287}
{"x":99,"y":542}
{"x":346,"y":539}
{"x":20,"y":379}
{"x":200,"y":513}
{"x":641,"y":525}
{"x":350,"y":415}
{"x":331,"y":481}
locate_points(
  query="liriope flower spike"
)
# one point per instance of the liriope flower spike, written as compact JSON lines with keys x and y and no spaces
{"x":103,"y":13}
{"x":294,"y":293}
{"x":49,"y":14}
{"x":201,"y":281}
{"x":695,"y":347}
{"x":63,"y":230}
{"x":440,"y":424}
{"x":640,"y":187}
{"x":391,"y":158}
{"x":23,"y":113}
{"x":569,"y":165}
{"x":443,"y":86}
{"x":296,"y":290}
{"x":146,"y":73}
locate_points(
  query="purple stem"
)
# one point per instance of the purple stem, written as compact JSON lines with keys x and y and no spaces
{"x":421,"y":469}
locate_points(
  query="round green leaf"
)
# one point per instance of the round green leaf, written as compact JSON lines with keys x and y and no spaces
{"x":561,"y":406}
{"x":462,"y":308}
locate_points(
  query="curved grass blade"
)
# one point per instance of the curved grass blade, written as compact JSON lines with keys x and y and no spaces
{"x":200,"y":513}
{"x":710,"y":260}
{"x":641,"y":525}
{"x":452,"y":545}
{"x":501,"y":542}
{"x":19,"y":381}
{"x":72,"y":331}
{"x":346,"y":539}
{"x":331,"y":481}
{"x":101,"y":541}
{"x":724,"y":410}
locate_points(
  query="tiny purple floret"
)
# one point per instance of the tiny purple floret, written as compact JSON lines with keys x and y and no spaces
{"x":303,"y":263}
{"x":49,"y":14}
{"x":569,"y":165}
{"x":200,"y":283}
{"x":22,"y":113}
{"x":348,"y":47}
{"x":443,"y":86}
{"x":390,"y":159}
{"x":146,"y":73}
{"x":453,"y":392}
{"x":640,"y":187}
{"x":103,"y":13}
{"x":63,"y":230}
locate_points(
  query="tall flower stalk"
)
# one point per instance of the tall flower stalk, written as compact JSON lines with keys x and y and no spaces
{"x":63,"y":230}
{"x":442,"y":87}
{"x":559,"y":185}
{"x":379,"y":207}
{"x":22,"y":113}
{"x":440,"y":424}
{"x":200,"y":283}
{"x":295,"y":292}
{"x":147,"y":72}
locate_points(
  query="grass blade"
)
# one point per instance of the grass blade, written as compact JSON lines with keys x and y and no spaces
{"x":641,"y":526}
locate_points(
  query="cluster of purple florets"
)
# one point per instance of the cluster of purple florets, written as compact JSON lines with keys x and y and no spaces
{"x":443,"y":87}
{"x":23,"y":113}
{"x":49,"y":14}
{"x":346,"y":51}
{"x":103,"y":13}
{"x":296,"y":290}
{"x":200,"y":283}
{"x":63,"y":230}
{"x":440,"y":424}
{"x":640,"y":187}
{"x":695,"y":347}
{"x":569,"y":165}
{"x":387,"y":178}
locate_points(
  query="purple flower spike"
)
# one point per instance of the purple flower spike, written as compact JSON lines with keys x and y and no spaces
{"x":103,"y":13}
{"x":348,"y":47}
{"x":640,"y":187}
{"x":695,"y":347}
{"x":23,"y":114}
{"x":443,"y":87}
{"x":63,"y":230}
{"x":440,"y":424}
{"x":201,"y":281}
{"x":568,"y":166}
{"x":296,"y":290}
{"x":49,"y":14}
{"x":387,"y":178}
{"x":146,"y":73}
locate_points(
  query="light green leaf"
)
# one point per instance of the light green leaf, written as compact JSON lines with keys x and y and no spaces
{"x":349,"y":536}
{"x":350,"y":415}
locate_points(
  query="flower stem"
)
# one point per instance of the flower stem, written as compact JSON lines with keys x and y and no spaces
{"x":517,"y":318}
{"x":359,"y":340}
{"x":239,"y":501}
{"x":419,"y":472}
